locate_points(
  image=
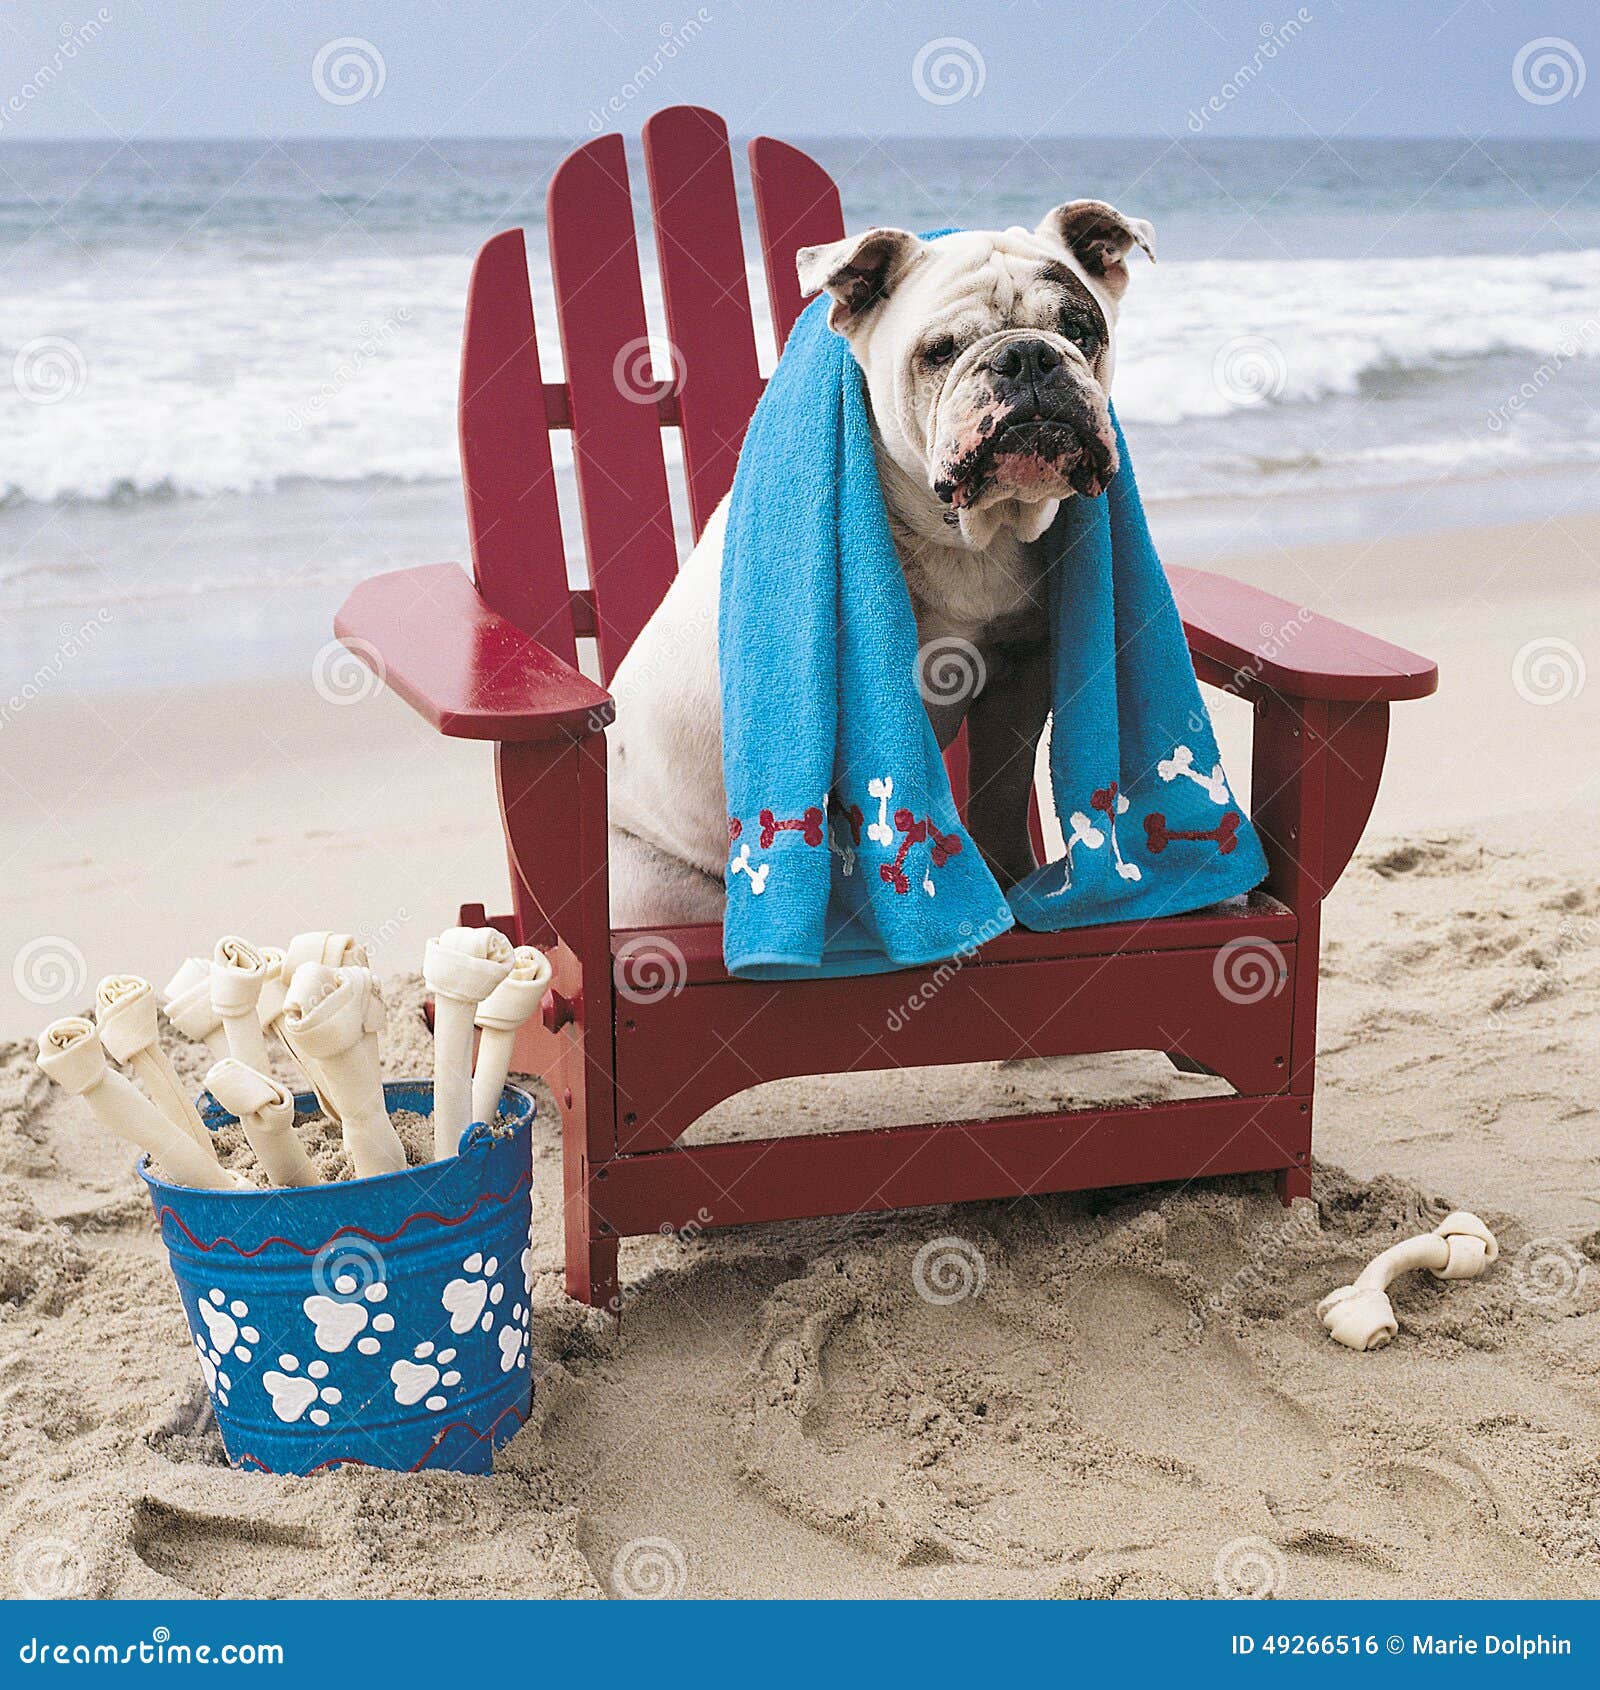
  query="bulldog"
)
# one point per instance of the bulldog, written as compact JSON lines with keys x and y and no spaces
{"x":988,"y":359}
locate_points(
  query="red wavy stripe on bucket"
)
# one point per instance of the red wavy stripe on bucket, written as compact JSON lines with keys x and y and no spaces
{"x":166,"y":1212}
{"x":356,"y":1461}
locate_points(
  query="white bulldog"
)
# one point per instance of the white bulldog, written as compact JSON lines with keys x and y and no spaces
{"x":988,"y":360}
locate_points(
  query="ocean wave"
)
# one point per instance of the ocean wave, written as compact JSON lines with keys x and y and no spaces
{"x":239,"y":375}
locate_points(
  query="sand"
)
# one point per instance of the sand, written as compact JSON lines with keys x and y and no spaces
{"x":1133,"y":1396}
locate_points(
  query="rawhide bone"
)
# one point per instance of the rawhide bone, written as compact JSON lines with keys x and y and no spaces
{"x":1361,"y":1317}
{"x":334,"y":1015}
{"x":514,"y":1001}
{"x":331,"y":950}
{"x":461,"y":967}
{"x":238,"y":973}
{"x":189,"y":1007}
{"x":266,"y":1115}
{"x":70,"y":1053}
{"x":125,"y":1016}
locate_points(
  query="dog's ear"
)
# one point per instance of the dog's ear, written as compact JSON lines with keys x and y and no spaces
{"x":1100,"y":238}
{"x":858,"y":271}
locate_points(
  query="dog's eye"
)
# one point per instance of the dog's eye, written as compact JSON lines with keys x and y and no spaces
{"x":939,"y":352}
{"x":1083,"y":337}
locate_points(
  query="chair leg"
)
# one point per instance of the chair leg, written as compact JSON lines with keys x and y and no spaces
{"x":592,"y":1271}
{"x":1292,"y":1183}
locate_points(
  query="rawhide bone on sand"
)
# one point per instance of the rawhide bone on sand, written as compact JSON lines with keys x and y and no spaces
{"x":333,"y":1015}
{"x":70,"y":1053}
{"x":238,"y":973}
{"x":125,"y":1017}
{"x":269,"y":1006}
{"x":515,"y":1000}
{"x":332,"y":950}
{"x":461,"y":967}
{"x":189,"y":1007}
{"x":266,"y":1115}
{"x":1361,"y":1316}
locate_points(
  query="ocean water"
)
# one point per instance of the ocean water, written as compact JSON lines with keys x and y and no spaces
{"x":233,"y":364}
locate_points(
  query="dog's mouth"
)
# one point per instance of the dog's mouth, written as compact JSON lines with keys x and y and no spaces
{"x":1031,"y":457}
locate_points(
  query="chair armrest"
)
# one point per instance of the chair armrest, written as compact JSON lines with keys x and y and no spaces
{"x":462,"y":666}
{"x":1253,"y":636}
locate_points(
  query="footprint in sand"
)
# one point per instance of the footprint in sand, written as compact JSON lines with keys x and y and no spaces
{"x":1145,"y":1384}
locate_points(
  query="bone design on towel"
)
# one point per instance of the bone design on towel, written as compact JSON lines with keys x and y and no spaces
{"x":846,"y":854}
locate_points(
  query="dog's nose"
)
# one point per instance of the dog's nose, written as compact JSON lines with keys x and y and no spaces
{"x":1026,"y":360}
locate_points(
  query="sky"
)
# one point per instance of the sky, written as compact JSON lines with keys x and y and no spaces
{"x":152,"y":68}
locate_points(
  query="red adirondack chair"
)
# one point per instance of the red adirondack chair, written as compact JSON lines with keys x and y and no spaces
{"x":642,"y":1034}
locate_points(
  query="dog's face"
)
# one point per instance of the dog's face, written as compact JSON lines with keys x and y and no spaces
{"x":988,"y":356}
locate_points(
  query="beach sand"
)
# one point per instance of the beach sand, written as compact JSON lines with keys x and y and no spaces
{"x":1136,"y":1399}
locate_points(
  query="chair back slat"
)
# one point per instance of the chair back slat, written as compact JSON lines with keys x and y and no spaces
{"x":707,"y":297}
{"x":797,"y":204}
{"x":513,"y":519}
{"x":616,"y":429}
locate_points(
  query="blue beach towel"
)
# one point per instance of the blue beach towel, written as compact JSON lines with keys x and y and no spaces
{"x":846,"y":853}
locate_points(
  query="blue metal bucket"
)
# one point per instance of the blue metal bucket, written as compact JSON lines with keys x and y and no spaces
{"x":382,"y":1321}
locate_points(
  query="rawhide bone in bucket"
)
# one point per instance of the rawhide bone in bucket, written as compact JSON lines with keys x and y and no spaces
{"x":382,"y":1321}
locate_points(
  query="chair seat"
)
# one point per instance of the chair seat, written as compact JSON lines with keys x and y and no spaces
{"x":637,"y":951}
